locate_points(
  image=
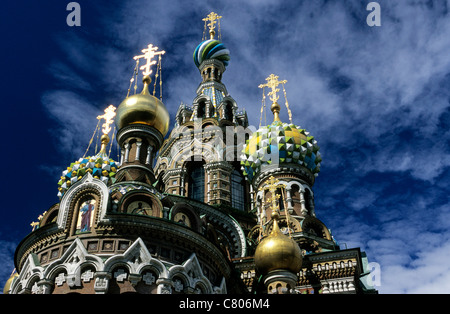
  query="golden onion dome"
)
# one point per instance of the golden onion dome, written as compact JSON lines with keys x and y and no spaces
{"x":9,"y":282}
{"x":278,"y":251}
{"x":145,"y":109}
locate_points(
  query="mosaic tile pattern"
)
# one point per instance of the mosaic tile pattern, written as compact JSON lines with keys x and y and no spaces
{"x":280,"y":143}
{"x":100,"y":167}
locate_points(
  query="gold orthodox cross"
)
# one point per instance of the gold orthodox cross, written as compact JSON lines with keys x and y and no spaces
{"x":149,"y":53}
{"x":34,"y":224}
{"x":272,"y":187}
{"x":212,"y":18}
{"x":108,"y":116}
{"x":272,"y":83}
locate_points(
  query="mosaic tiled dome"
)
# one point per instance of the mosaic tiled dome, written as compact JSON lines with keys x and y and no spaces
{"x":293,"y":145}
{"x":100,"y":167}
{"x":211,"y":49}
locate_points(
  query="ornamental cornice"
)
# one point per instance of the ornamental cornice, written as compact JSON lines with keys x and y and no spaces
{"x":134,"y":129}
{"x":275,"y":170}
{"x":39,"y":239}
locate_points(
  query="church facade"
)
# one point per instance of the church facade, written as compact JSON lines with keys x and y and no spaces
{"x":211,"y":207}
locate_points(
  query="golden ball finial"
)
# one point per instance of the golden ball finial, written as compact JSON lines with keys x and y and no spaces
{"x":147,"y":79}
{"x":277,"y":251}
{"x":105,"y":139}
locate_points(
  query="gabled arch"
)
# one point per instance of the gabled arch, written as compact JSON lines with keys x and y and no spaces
{"x":136,"y":258}
{"x":30,"y":273}
{"x":72,"y":261}
{"x":192,"y":273}
{"x":73,"y":194}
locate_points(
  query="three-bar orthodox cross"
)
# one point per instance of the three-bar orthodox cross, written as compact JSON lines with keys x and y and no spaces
{"x":212,"y":18}
{"x":272,"y":83}
{"x":148,"y":54}
{"x":109,"y":118}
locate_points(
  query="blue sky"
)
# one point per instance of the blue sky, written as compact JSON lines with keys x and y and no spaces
{"x":377,"y":99}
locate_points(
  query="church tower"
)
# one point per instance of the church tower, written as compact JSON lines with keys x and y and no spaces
{"x":199,"y":159}
{"x":281,"y":161}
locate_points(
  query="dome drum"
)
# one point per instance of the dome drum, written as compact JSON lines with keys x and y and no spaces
{"x":155,"y":139}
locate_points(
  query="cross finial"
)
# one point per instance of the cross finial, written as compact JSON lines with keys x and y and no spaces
{"x":34,"y":224}
{"x":109,"y":118}
{"x":272,"y":83}
{"x":212,"y":18}
{"x":106,"y":127}
{"x":148,"y":54}
{"x":272,"y":187}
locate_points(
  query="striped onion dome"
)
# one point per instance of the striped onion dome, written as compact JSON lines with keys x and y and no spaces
{"x":211,"y":49}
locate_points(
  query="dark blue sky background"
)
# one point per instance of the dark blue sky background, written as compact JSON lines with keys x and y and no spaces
{"x":377,"y":100}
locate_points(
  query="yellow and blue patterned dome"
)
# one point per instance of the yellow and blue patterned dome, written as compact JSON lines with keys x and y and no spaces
{"x":280,"y":143}
{"x":211,"y":49}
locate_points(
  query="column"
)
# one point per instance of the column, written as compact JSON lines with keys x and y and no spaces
{"x":149,"y":155}
{"x":127,"y":152}
{"x":290,"y":207}
{"x":138,"y":150}
{"x":303,"y":210}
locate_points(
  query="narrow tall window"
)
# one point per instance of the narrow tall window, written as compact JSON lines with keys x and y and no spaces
{"x":201,"y":110}
{"x":197,"y":183}
{"x":237,"y":190}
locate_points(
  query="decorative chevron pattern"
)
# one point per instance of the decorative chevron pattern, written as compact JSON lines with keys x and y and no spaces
{"x":280,"y":143}
{"x":99,"y":166}
{"x":211,"y":49}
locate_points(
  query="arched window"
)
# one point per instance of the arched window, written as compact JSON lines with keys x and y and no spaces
{"x":201,"y":110}
{"x":228,"y":112}
{"x":197,"y":182}
{"x":237,"y":190}
{"x":282,"y":193}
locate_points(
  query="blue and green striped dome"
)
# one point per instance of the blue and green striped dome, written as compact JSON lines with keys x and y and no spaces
{"x":280,"y":143}
{"x":211,"y":49}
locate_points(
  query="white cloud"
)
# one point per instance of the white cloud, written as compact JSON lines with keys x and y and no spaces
{"x":75,"y":121}
{"x":428,"y":274}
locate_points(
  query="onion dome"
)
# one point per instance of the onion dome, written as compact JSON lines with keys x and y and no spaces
{"x":9,"y":282}
{"x":211,"y":49}
{"x":280,"y":143}
{"x":99,"y":166}
{"x":277,"y":252}
{"x":145,"y":109}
